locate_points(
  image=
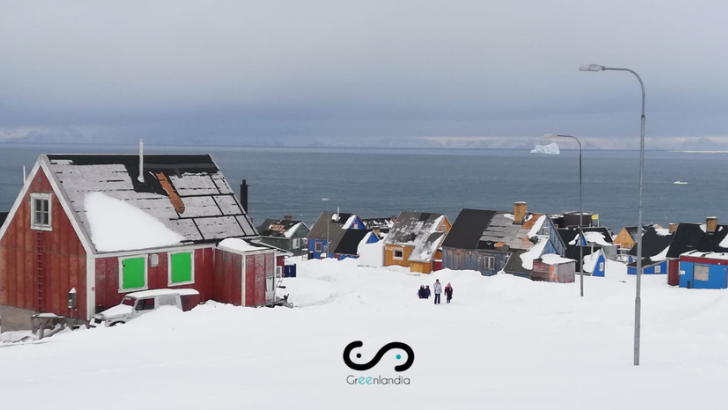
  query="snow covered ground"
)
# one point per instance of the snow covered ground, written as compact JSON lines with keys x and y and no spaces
{"x":504,"y":342}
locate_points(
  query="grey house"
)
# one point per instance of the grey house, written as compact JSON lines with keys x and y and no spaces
{"x":486,"y":240}
{"x":285,"y":234}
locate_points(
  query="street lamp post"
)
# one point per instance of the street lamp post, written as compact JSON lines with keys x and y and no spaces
{"x":581,"y":212}
{"x":637,"y":301}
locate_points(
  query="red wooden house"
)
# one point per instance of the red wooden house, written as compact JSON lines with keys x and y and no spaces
{"x":107,"y":225}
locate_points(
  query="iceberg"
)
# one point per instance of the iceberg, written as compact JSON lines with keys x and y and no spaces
{"x":552,"y":148}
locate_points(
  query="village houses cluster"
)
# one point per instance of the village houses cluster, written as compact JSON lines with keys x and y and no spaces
{"x":103,"y":226}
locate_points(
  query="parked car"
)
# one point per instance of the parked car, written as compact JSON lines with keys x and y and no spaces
{"x":138,"y":303}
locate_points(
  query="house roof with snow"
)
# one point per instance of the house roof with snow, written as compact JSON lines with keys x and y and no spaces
{"x":412,"y":227}
{"x":280,"y":228}
{"x":180,"y":199}
{"x":495,"y":230}
{"x":693,"y":237}
{"x":654,"y":241}
{"x":599,"y":236}
{"x":330,"y":224}
{"x":383,"y":224}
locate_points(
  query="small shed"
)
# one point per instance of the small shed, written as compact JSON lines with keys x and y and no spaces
{"x":245,"y":273}
{"x":553,"y":268}
{"x":704,"y":270}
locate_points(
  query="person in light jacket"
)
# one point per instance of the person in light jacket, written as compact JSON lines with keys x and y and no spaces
{"x":438,"y":290}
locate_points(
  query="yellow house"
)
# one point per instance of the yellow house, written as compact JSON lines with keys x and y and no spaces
{"x":415,"y":240}
{"x":627,"y":237}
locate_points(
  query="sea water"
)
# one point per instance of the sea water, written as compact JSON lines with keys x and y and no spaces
{"x":382,"y":182}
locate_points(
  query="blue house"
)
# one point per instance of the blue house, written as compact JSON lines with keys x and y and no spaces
{"x":330,"y":236}
{"x":485,"y":241}
{"x":595,"y":263}
{"x":649,"y":267}
{"x":704,"y":270}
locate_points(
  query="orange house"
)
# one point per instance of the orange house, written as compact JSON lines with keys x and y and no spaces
{"x":415,"y":240}
{"x":627,"y":237}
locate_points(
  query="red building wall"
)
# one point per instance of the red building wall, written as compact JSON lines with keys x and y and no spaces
{"x":107,"y":277}
{"x":228,"y":277}
{"x":39,"y":268}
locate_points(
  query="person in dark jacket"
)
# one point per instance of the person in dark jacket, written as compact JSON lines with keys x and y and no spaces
{"x":427,"y":292}
{"x":421,"y":292}
{"x":448,"y":292}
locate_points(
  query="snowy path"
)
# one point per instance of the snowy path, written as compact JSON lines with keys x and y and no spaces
{"x":505,"y":342}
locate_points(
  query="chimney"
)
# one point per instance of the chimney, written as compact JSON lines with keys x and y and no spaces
{"x":244,"y":195}
{"x":288,"y":217}
{"x":141,"y":161}
{"x":672,"y":227}
{"x":711,"y":224}
{"x":519,"y":212}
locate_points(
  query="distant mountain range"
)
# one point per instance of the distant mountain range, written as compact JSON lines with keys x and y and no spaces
{"x":74,"y":137}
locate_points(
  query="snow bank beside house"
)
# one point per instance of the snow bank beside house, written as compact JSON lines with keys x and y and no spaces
{"x":555,"y":259}
{"x":370,"y":254}
{"x":119,"y":226}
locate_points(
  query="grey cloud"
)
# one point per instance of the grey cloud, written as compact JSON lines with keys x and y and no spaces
{"x":362,"y":69}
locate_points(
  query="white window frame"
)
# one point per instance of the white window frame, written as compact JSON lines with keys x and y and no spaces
{"x":296,"y":243}
{"x":146,"y":273}
{"x":318,"y":247}
{"x":169,"y":268}
{"x":657,"y":269}
{"x":601,"y":266}
{"x":44,"y":197}
{"x":489,"y":262}
{"x":279,"y":271}
{"x":695,"y":272}
{"x":394,"y":254}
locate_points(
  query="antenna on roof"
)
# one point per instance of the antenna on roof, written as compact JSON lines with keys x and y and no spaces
{"x":141,"y":161}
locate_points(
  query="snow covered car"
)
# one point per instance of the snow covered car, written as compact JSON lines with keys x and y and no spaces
{"x":138,"y":303}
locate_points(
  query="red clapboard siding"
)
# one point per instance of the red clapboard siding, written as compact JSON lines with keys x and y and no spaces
{"x":63,"y":257}
{"x":107,"y":276}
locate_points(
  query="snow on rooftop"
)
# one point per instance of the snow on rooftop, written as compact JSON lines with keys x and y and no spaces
{"x":555,"y":259}
{"x":707,"y":255}
{"x":591,"y":237}
{"x":534,"y":253}
{"x":349,"y":222}
{"x":662,"y":231}
{"x":289,"y":233}
{"x":238,"y":245}
{"x":119,"y":226}
{"x":536,"y":226}
{"x":724,"y":242}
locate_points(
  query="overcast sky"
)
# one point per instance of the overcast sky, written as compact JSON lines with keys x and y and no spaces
{"x":362,"y":69}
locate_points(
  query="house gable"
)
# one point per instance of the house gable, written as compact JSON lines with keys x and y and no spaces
{"x":39,"y":267}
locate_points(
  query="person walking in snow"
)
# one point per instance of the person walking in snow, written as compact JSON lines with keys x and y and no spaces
{"x":438,"y":290}
{"x":427,"y":292}
{"x":448,"y":292}
{"x":421,"y":292}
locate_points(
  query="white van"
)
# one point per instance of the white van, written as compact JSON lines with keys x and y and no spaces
{"x":138,"y":303}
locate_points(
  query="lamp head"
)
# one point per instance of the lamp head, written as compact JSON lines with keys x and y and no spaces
{"x":591,"y":67}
